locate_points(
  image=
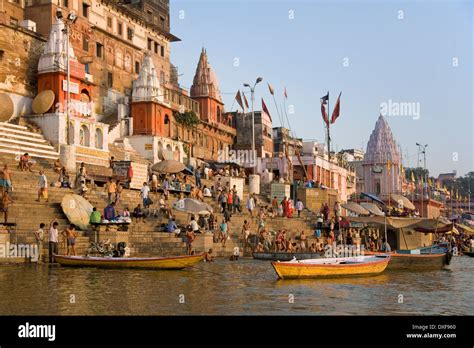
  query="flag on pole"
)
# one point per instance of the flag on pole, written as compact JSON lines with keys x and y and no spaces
{"x":246,"y":102}
{"x":270,"y":88}
{"x":238,"y":98}
{"x":265,"y":110}
{"x":324,"y":101}
{"x":337,"y":109}
{"x":285,"y":94}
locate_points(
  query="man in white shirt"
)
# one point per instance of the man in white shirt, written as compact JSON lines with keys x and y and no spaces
{"x":206,"y":173}
{"x":144,"y":192}
{"x":299,"y":206}
{"x":194,"y":225}
{"x":206,"y":192}
{"x":43,"y":186}
{"x":53,"y":239}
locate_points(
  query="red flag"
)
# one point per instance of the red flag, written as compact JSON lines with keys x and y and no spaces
{"x":270,"y":88}
{"x":337,"y":109}
{"x":246,"y":102}
{"x":325,"y":114}
{"x":238,"y":98}
{"x":285,"y":94}
{"x":265,"y":110}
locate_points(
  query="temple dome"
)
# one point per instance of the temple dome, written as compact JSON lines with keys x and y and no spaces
{"x":205,"y":82}
{"x":382,"y":146}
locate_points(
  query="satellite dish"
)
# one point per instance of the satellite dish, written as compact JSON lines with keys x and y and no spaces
{"x":6,"y":107}
{"x":43,"y":102}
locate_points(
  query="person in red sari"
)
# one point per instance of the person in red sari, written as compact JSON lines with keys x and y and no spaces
{"x":284,"y":204}
{"x":290,"y":208}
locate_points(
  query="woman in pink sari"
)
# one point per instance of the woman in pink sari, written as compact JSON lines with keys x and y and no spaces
{"x":290,"y":208}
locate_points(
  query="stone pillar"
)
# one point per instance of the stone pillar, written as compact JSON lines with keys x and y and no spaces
{"x":67,"y":156}
{"x":254,"y":183}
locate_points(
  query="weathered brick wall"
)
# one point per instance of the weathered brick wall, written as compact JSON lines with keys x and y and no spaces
{"x":19,"y":61}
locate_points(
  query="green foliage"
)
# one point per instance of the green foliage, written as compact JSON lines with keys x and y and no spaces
{"x":418,"y":172}
{"x":187,"y":119}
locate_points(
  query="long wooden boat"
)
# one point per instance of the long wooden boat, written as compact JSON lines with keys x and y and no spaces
{"x":418,"y":259}
{"x":174,"y":262}
{"x":469,"y":253}
{"x":284,"y":256}
{"x":332,"y":267}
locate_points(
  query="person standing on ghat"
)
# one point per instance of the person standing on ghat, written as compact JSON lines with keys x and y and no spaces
{"x":43,"y":186}
{"x":53,"y":239}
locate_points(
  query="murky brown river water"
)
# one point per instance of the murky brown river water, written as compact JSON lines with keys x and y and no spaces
{"x":231,"y":288}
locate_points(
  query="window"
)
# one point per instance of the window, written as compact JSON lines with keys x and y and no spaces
{"x":109,"y":22}
{"x":148,"y":12}
{"x":66,"y":3}
{"x":99,"y":50}
{"x":110,"y":79}
{"x":119,"y":29}
{"x":85,"y":10}
{"x":13,"y":22}
{"x":162,"y":77}
{"x":85,"y":44}
{"x":137,"y":67}
{"x":130,"y":34}
{"x":157,"y":47}
{"x":86,"y":68}
{"x":163,"y":22}
{"x":150,"y":44}
{"x":162,"y":51}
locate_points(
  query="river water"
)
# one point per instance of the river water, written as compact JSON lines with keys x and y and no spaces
{"x":231,"y":288}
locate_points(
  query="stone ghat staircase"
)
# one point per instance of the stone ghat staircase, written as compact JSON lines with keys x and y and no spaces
{"x":16,"y":140}
{"x":144,"y":238}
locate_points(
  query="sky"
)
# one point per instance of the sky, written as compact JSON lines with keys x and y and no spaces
{"x":382,"y":55}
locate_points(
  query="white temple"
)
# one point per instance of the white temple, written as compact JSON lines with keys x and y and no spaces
{"x":147,"y":85}
{"x":54,"y":55}
{"x":381,"y":165}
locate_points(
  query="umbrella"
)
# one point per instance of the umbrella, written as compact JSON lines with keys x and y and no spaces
{"x":373,"y":197}
{"x":168,"y":167}
{"x":355,"y":208}
{"x":372,"y":208}
{"x":77,"y":209}
{"x":192,"y":206}
{"x":403,"y":201}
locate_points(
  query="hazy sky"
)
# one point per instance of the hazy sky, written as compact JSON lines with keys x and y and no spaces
{"x":375,"y":52}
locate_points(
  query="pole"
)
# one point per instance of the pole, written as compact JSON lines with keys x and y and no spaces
{"x":68,"y":85}
{"x":252,"y":97}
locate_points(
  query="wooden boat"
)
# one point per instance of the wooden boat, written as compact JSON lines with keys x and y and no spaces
{"x":425,"y":258}
{"x":284,"y":256}
{"x":174,"y":262}
{"x":332,"y":267}
{"x":469,"y":253}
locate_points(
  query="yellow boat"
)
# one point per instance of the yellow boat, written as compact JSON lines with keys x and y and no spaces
{"x":332,"y":267}
{"x":173,"y":262}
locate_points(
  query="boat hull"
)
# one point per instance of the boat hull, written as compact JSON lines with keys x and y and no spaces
{"x":468,"y":253}
{"x":165,"y":263}
{"x":283,"y":256}
{"x":417,"y":262}
{"x":295,"y":270}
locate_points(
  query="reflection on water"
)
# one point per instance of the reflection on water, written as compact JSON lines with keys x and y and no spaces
{"x":231,"y":288}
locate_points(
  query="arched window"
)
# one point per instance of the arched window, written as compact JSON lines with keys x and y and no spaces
{"x":219,"y":119}
{"x":99,"y":139}
{"x":84,"y":136}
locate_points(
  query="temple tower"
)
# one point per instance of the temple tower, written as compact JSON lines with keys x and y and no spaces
{"x":381,"y":165}
{"x":206,"y":91}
